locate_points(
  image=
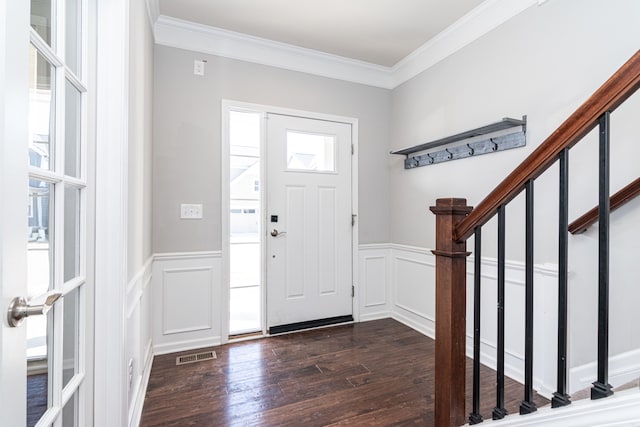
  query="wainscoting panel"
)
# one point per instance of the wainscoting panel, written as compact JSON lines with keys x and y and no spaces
{"x":545,"y":325}
{"x":138,"y":340}
{"x":186,"y":301}
{"x":414,"y":288}
{"x":374,"y":274}
{"x":410,"y":299}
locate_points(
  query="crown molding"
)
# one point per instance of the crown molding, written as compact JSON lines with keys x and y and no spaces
{"x":215,"y":41}
{"x":478,"y":22}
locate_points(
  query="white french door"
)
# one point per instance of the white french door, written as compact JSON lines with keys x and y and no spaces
{"x":308,"y":222}
{"x":45,"y":256}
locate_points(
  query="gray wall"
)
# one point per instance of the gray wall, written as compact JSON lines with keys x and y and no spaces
{"x":187,"y":115}
{"x":543,"y":63}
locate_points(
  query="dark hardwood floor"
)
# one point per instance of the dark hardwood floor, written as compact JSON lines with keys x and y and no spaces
{"x":377,"y":373}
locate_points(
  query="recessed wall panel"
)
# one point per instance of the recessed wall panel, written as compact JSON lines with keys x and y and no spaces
{"x":187,"y":299}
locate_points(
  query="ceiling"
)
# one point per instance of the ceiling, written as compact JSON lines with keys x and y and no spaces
{"x":380,"y":32}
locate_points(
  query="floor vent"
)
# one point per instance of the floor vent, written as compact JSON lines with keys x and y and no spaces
{"x":196,"y":357}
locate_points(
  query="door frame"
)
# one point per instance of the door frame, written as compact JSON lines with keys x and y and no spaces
{"x":231,"y":105}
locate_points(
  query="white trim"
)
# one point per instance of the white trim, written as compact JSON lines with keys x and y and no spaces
{"x":215,"y":41}
{"x":478,"y":22}
{"x":621,"y":409}
{"x":187,"y":35}
{"x":141,"y":390}
{"x":176,"y":256}
{"x":153,"y":10}
{"x":623,"y":368}
{"x":176,"y":346}
{"x":111,"y":211}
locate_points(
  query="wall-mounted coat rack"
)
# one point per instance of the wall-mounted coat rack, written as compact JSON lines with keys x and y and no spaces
{"x":501,"y":142}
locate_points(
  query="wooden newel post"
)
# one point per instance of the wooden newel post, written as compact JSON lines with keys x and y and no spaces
{"x":451,"y":272}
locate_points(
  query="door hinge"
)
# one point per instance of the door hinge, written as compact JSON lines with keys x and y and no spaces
{"x":352,"y":149}
{"x":353,"y":291}
{"x":353,"y":219}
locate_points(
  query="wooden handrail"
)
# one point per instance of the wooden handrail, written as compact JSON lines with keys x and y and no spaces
{"x":607,"y":98}
{"x":619,"y":199}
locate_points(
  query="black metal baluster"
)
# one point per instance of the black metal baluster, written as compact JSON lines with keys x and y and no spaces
{"x":560,"y":397}
{"x":601,"y":388}
{"x":499,"y":412}
{"x":528,"y":406}
{"x":475,"y":417}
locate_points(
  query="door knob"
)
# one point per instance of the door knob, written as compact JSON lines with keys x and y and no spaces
{"x":19,"y":308}
{"x":276,"y":233}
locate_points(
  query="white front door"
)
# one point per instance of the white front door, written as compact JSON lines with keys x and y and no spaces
{"x":45,"y":256}
{"x":309,"y":222}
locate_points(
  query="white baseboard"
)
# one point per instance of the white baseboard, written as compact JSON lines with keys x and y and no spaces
{"x":623,"y":368}
{"x":427,"y":328}
{"x":375,"y":316}
{"x":177,"y":346}
{"x":141,"y":390}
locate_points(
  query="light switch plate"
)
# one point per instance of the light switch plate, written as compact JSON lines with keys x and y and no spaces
{"x":198,"y":67}
{"x":190,"y":211}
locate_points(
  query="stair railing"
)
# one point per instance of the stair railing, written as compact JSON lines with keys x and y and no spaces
{"x":456,"y":222}
{"x":621,"y":198}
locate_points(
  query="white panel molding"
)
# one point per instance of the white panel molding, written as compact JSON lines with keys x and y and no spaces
{"x":621,"y":409}
{"x":369,"y":300}
{"x":623,"y":368}
{"x":137,"y":285}
{"x":140,"y":389}
{"x":373,"y":290}
{"x":200,"y":271}
{"x":169,"y":305}
{"x":187,"y":35}
{"x":185,"y":345}
{"x":215,"y":41}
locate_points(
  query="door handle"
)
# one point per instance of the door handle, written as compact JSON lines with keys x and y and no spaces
{"x":19,"y":308}
{"x":276,"y":233}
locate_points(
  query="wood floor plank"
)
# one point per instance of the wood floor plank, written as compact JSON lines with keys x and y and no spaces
{"x":377,"y":373}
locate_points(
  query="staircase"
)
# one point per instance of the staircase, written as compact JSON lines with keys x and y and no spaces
{"x":456,"y":222}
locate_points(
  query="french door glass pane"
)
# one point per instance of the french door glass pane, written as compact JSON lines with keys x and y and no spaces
{"x":70,"y":336}
{"x":70,"y":412}
{"x":42,"y":18}
{"x":72,"y":36}
{"x":38,"y":368}
{"x":39,"y":247}
{"x":72,"y":131}
{"x":41,"y":110}
{"x":71,"y":233}
{"x":39,"y":281}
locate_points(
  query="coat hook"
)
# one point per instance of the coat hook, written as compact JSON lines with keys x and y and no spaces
{"x":471,"y":151}
{"x":495,"y":145}
{"x":450,"y":156}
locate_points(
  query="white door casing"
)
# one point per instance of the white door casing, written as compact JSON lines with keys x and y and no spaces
{"x":308,"y":261}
